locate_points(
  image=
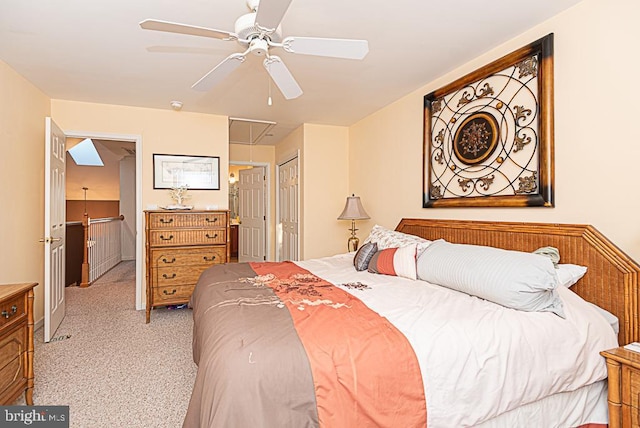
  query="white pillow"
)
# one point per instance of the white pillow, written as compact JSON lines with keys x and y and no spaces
{"x":386,"y":238}
{"x":611,"y":319}
{"x":569,"y":274}
{"x":514,"y":279}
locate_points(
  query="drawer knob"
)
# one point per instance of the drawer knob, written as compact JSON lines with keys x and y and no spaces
{"x":166,"y":239}
{"x":169,"y":261}
{"x":173,"y":275}
{"x":169,"y":294}
{"x":215,"y":219}
{"x":215,"y":235}
{"x":166,"y":221}
{"x":7,"y":314}
{"x":209,"y":259}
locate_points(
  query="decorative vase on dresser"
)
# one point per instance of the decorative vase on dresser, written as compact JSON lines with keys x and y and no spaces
{"x":180,"y":245}
{"x":16,"y":342}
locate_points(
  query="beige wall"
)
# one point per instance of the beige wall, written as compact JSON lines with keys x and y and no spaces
{"x":596,"y":147}
{"x":127,"y":186}
{"x":163,"y":132}
{"x":21,"y":172}
{"x":102,"y":182}
{"x":244,"y":153}
{"x":326,"y":187}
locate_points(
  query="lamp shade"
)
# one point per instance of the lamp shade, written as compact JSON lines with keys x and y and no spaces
{"x":353,"y":209}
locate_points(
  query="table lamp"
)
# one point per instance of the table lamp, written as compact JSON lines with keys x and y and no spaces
{"x":353,"y":211}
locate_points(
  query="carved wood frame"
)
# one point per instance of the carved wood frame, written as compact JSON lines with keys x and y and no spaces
{"x":543,"y":194}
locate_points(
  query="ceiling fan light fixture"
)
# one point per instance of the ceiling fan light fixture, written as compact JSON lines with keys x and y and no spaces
{"x":259,"y":47}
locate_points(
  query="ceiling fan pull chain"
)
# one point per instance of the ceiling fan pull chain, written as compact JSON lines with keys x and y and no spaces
{"x":269,"y":101}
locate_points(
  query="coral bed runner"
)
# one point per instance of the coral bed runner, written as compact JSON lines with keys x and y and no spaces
{"x":364,"y":370}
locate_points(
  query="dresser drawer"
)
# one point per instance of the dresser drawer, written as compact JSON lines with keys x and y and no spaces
{"x":12,"y":309}
{"x":177,"y":275}
{"x":165,"y":295}
{"x":174,"y":237}
{"x":186,"y":220}
{"x":631,"y":386}
{"x":166,"y":257}
{"x":634,"y":416}
{"x":12,"y":370}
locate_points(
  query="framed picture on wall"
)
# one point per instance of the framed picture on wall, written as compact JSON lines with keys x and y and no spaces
{"x":193,"y":172}
{"x":488,"y":136}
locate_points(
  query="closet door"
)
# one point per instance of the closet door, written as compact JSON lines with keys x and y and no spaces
{"x":288,"y":210}
{"x":253,"y":215}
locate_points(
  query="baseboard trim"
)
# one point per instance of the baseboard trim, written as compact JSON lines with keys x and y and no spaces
{"x":38,"y":324}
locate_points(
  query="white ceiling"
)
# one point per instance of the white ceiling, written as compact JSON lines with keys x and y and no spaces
{"x":95,"y":51}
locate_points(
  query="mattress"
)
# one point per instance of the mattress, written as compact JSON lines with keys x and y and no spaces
{"x":479,"y":364}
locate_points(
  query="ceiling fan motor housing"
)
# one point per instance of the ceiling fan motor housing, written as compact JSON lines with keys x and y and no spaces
{"x":246,"y":29}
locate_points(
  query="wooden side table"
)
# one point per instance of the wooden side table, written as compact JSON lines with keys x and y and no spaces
{"x":623,"y":368}
{"x":16,"y":342}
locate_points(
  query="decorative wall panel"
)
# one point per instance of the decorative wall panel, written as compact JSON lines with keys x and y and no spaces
{"x":488,"y":136}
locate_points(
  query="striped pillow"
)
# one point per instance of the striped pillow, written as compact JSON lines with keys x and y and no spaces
{"x":395,"y":261}
{"x":363,"y":256}
{"x":514,"y":279}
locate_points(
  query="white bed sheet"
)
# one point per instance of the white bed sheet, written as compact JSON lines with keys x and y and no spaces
{"x":480,"y":360}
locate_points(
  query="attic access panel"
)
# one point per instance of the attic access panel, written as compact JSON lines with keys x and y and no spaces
{"x":248,"y":131}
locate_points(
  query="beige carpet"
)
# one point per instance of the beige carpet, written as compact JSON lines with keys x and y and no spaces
{"x":111,"y":368}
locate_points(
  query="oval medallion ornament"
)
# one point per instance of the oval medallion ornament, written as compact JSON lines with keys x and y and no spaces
{"x":476,"y":138}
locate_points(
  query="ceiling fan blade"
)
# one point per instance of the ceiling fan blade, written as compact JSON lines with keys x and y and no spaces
{"x":220,"y":71}
{"x":282,"y":77}
{"x":184,"y":50}
{"x":271,"y":12}
{"x":172,"y":27}
{"x":336,"y":48}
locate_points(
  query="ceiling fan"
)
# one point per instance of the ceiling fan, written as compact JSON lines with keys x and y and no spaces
{"x":257,"y":32}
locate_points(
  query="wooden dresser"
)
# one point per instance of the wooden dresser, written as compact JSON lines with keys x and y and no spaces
{"x":16,"y":342}
{"x":623,"y":368}
{"x":180,"y":245}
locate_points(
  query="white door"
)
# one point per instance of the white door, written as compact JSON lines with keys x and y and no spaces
{"x":288,"y":219}
{"x":253,"y":215}
{"x":54,"y":228}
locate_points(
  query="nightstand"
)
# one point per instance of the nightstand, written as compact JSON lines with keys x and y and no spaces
{"x":623,"y":368}
{"x":16,"y":342}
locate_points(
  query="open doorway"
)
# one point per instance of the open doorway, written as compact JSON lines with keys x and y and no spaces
{"x":112,"y":192}
{"x":249,"y":208}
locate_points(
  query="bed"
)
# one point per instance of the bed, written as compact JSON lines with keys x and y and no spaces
{"x":317,"y":343}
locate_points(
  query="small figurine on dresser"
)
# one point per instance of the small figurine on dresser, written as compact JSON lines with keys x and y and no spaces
{"x":179,"y":195}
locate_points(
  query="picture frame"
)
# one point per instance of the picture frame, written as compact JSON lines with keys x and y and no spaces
{"x":192,"y":172}
{"x":489,"y":138}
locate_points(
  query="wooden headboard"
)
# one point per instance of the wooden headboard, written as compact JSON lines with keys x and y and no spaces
{"x":611,"y":281}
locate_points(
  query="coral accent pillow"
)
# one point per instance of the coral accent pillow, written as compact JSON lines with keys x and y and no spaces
{"x":395,"y":261}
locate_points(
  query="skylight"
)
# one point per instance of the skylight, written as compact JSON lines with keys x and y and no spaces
{"x":85,"y":154}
